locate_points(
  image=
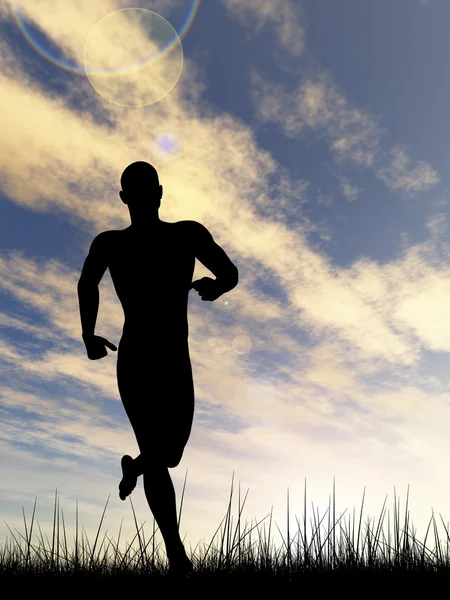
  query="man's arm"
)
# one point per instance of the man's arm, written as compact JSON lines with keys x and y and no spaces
{"x":214,"y":258}
{"x":93,"y":270}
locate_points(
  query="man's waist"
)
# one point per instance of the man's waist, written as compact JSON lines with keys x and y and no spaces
{"x":173,"y":327}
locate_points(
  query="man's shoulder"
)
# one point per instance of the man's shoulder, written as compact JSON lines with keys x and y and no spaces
{"x":192,"y":226}
{"x":105,"y":236}
{"x":188,"y":223}
{"x":103,"y":240}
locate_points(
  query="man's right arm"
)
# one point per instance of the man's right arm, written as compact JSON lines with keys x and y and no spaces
{"x":213,"y":257}
{"x":93,"y":270}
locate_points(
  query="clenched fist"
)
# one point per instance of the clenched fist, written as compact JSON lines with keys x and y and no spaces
{"x":207,"y":288}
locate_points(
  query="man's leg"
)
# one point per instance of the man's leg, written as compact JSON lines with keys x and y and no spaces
{"x":160,"y":495}
{"x":149,"y":420}
{"x":183,"y":409}
{"x":138,"y":465}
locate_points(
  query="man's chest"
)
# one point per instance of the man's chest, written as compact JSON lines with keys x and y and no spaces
{"x":166,"y":258}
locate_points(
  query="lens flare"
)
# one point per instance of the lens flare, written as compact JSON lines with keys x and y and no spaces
{"x":167,"y":146}
{"x":127,"y":35}
{"x":67,"y":65}
{"x":242,"y":344}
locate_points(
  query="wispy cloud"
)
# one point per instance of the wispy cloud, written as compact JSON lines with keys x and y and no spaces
{"x":437,"y":225}
{"x":350,"y":191}
{"x":400,"y":175}
{"x":353,"y":135}
{"x":283,"y":15}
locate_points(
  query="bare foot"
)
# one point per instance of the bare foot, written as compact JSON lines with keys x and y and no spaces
{"x":180,"y":567}
{"x":129,"y":478}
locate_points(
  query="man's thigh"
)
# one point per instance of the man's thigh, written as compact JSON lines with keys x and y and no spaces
{"x":157,"y":390}
{"x":153,"y":366}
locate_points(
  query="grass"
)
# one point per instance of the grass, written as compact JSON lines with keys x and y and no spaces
{"x":236,"y":562}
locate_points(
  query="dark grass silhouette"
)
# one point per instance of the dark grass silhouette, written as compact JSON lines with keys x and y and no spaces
{"x":151,"y":263}
{"x":358,"y":565}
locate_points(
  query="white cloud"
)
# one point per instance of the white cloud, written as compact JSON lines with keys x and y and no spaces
{"x":353,"y":135}
{"x":397,"y":175}
{"x":282,"y":14}
{"x":350,"y":191}
{"x":437,"y":225}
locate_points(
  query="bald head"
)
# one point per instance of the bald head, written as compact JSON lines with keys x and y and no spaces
{"x":141,"y":191}
{"x":140,"y":176}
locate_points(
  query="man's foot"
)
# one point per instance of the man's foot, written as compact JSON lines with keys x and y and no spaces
{"x":129,"y":479}
{"x":181,"y":567}
{"x":179,"y":563}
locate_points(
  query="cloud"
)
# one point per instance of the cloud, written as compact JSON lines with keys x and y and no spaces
{"x":437,"y":225}
{"x":283,"y":15}
{"x":398,"y":176}
{"x":324,"y":199}
{"x":353,"y":135}
{"x":350,"y":191}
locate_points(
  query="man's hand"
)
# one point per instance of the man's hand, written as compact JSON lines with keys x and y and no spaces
{"x":95,"y":346}
{"x":207,"y":288}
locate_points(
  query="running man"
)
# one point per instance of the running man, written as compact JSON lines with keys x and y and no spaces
{"x":151,"y":263}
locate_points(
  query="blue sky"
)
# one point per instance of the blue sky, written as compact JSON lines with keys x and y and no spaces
{"x":313,"y":144}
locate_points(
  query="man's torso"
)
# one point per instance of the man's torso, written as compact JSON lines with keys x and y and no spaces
{"x":152,"y":275}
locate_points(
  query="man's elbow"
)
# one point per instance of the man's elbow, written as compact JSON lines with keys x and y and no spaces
{"x":235,"y":277}
{"x":228,"y":280}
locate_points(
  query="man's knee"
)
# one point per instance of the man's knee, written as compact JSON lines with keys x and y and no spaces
{"x":170,"y":460}
{"x":174,"y":455}
{"x":174,"y":459}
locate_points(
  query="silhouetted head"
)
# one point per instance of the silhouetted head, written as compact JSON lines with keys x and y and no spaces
{"x":140,"y":188}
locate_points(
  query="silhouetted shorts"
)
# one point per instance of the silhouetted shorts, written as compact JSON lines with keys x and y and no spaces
{"x":157,"y":391}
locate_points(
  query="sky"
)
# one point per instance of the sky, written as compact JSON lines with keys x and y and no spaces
{"x":311,"y":138}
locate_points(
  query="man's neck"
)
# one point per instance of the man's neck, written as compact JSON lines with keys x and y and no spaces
{"x":145,"y":228}
{"x":145,"y":225}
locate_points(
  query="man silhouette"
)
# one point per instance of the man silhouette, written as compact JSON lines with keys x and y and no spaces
{"x":151,"y":263}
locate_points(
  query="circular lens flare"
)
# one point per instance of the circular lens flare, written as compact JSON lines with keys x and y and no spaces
{"x":167,"y":146}
{"x":242,"y":344}
{"x":24,"y":28}
{"x":136,"y":37}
